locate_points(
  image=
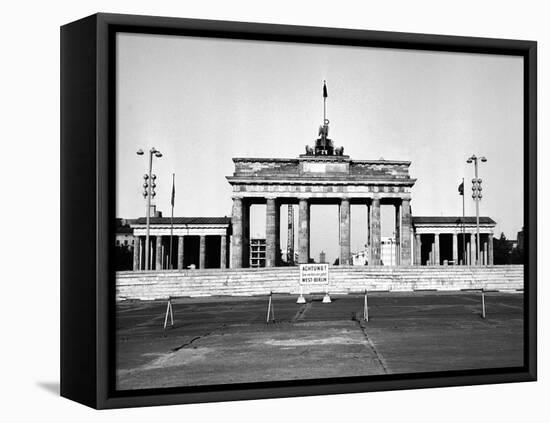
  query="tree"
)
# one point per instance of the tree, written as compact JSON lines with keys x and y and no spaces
{"x":124,"y":257}
{"x":516,"y":256}
{"x":502,"y":250}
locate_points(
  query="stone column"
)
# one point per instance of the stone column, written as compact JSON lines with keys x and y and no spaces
{"x":246,"y":233}
{"x":223,"y":251}
{"x":277,"y":233}
{"x":397,"y":234}
{"x":136,"y":253}
{"x":369,"y":219}
{"x":158,"y":253}
{"x":303,"y":231}
{"x":376,"y":236}
{"x":345,"y":236}
{"x":237,"y":238}
{"x":272,"y":232}
{"x":473,"y":250}
{"x":490,"y":259}
{"x":406,"y":228}
{"x":418,"y":250}
{"x":484,"y":254}
{"x":455,"y":249}
{"x":437,"y":255}
{"x":468,"y":254}
{"x":202,"y":252}
{"x":180,"y":252}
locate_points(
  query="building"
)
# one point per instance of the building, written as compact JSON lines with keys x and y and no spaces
{"x":521,"y":241}
{"x":389,"y":251}
{"x":388,"y":255}
{"x":257,"y":252}
{"x":124,"y":245}
{"x":124,"y":234}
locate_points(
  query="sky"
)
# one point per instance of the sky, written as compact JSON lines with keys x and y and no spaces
{"x":203,"y":101}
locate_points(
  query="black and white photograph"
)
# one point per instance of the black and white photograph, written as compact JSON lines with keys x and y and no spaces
{"x":275,"y":211}
{"x":292,"y":211}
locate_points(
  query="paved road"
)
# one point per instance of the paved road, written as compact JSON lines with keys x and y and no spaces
{"x":226,"y":339}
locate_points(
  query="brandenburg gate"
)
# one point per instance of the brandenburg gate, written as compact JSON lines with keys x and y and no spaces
{"x":323,"y":175}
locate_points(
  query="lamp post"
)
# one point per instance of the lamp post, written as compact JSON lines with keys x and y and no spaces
{"x":476,"y":195}
{"x":148,"y":193}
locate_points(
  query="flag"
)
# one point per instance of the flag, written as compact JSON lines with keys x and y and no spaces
{"x":173,"y":189}
{"x":461,"y":188}
{"x":325,"y":93}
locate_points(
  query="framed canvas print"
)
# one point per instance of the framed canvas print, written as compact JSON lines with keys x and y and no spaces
{"x":254,"y":211}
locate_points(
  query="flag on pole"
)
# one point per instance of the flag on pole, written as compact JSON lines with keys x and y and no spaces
{"x":173,"y":189}
{"x":461,"y":188}
{"x":325,"y":93}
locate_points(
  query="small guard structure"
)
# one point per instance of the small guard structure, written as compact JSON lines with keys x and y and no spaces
{"x":197,"y":242}
{"x":440,"y":240}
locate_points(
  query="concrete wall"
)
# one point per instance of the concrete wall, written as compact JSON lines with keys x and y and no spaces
{"x":151,"y":285}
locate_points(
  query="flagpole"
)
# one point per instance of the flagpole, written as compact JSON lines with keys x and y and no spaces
{"x":172,"y":220}
{"x":324,"y":103}
{"x":463,"y":223}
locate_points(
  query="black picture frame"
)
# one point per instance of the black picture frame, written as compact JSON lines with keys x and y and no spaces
{"x":87,"y":208}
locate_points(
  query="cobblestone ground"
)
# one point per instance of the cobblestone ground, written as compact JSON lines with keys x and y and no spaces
{"x":227,"y":340}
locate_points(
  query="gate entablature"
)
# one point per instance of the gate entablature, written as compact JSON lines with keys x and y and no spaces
{"x":321,"y":177}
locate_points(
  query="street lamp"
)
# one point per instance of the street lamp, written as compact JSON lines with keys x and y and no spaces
{"x":149,"y":192}
{"x":476,"y":195}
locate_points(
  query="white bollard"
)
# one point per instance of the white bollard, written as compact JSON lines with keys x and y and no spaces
{"x":301,"y":299}
{"x":326,"y":298}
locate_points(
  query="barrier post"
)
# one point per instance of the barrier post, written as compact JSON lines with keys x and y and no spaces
{"x":366,"y":308}
{"x":301,"y":299}
{"x":270,"y":309}
{"x":326,"y":298}
{"x":169,"y":310}
{"x":482,"y":303}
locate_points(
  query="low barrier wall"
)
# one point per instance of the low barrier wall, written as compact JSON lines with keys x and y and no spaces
{"x":150,"y":285}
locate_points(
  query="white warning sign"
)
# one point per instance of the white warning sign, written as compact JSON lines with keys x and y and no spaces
{"x":314,"y":274}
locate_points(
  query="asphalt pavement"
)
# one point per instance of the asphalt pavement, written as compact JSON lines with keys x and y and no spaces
{"x":223,"y":340}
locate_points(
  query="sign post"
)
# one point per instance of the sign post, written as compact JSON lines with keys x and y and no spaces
{"x":314,"y":274}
